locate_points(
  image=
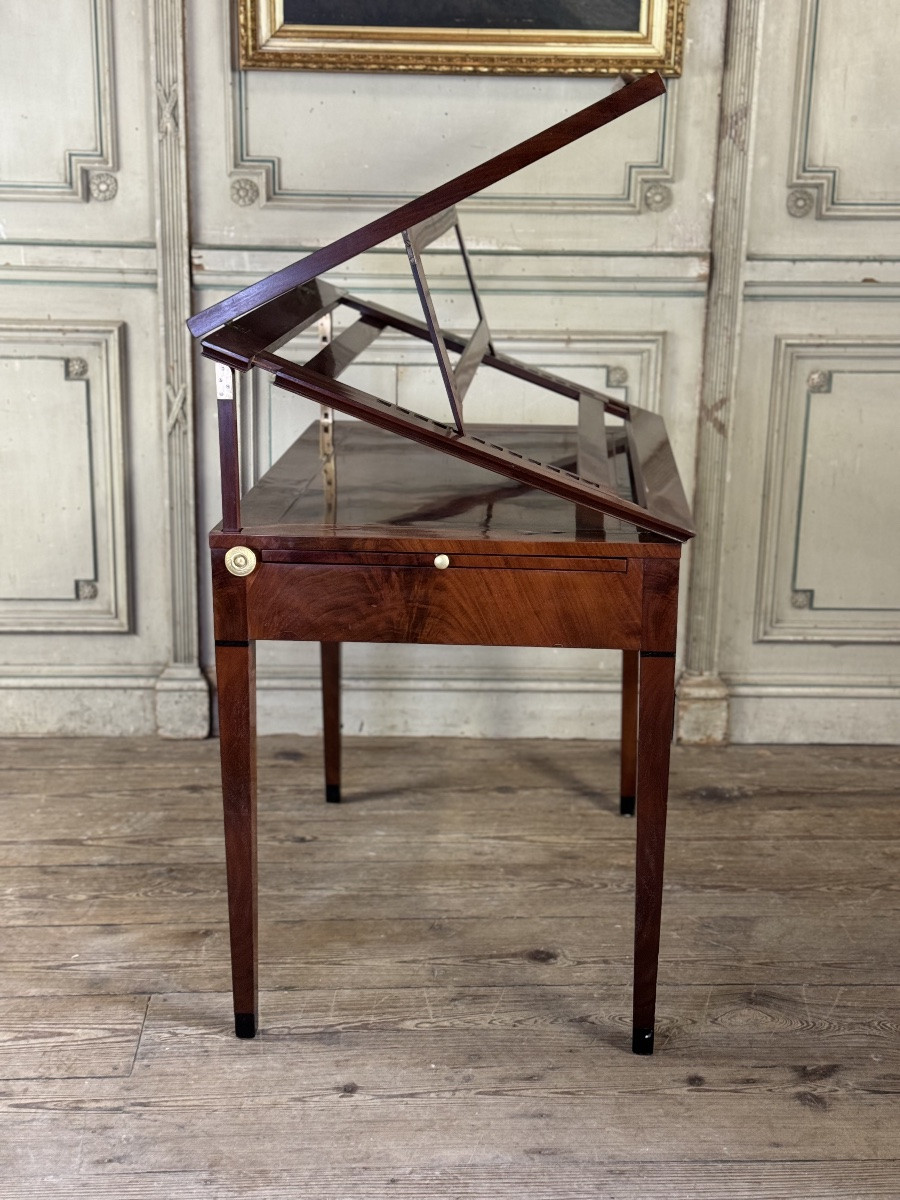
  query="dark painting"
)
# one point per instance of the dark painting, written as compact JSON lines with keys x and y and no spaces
{"x":583,"y":15}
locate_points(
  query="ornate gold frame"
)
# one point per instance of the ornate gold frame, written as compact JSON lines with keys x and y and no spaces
{"x":266,"y":41}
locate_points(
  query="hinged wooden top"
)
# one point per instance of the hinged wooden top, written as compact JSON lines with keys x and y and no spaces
{"x":248,"y":328}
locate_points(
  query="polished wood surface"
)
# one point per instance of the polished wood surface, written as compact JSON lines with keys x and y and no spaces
{"x":510,"y":564}
{"x":236,"y":683}
{"x":446,"y":964}
{"x":462,"y":606}
{"x":628,"y":769}
{"x":330,"y":653}
{"x":419,"y":548}
{"x":244,"y":332}
{"x":671,"y":518}
{"x":405,"y":495}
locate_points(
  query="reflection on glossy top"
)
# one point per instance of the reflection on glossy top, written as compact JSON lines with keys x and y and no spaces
{"x":391,"y":486}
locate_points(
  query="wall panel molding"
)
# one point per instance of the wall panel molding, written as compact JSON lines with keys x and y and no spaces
{"x":64,"y":381}
{"x":87,"y":170}
{"x":807,"y":547}
{"x":257,"y":177}
{"x":816,"y":186}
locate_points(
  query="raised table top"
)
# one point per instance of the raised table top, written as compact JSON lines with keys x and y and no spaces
{"x":395,"y":495}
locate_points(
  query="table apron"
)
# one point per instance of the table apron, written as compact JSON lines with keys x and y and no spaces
{"x":473,"y":607}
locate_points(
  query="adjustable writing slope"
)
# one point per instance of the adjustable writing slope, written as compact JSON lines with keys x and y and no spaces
{"x":401,"y":529}
{"x":245,"y":330}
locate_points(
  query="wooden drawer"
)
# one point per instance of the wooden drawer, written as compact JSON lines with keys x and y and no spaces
{"x":471,"y":605}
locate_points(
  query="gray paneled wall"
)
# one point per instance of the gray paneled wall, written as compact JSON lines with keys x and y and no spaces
{"x":777,"y":380}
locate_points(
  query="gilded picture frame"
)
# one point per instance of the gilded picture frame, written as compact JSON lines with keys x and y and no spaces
{"x":541,"y":44}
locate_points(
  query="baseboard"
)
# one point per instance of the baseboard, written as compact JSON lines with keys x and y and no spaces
{"x":447,"y":707}
{"x":122,"y":701}
{"x":823,"y":713}
{"x":103,"y":701}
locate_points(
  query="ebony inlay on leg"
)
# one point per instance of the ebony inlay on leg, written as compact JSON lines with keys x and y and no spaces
{"x":331,"y":718}
{"x":630,"y":670}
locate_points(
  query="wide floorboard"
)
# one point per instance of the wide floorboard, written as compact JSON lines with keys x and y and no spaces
{"x":445,"y":963}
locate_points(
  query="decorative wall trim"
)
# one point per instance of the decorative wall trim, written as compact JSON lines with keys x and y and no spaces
{"x":82,"y":701}
{"x":89,"y":354}
{"x":79,"y":185}
{"x":444,"y":704}
{"x":729,"y":249}
{"x":182,"y":701}
{"x":832,"y":713}
{"x":800,"y":202}
{"x":505,"y":273}
{"x":102,"y":185}
{"x":657,"y":197}
{"x":786,"y":608}
{"x":816,"y":184}
{"x":267,"y":171}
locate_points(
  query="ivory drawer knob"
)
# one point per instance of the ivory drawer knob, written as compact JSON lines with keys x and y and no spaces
{"x":442,"y":562}
{"x":240,"y":560}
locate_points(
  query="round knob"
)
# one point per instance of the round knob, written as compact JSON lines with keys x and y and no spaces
{"x":442,"y":562}
{"x":240,"y":560}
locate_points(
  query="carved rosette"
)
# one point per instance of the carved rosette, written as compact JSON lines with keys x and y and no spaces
{"x":819,"y":381}
{"x":800,"y":202}
{"x":801,"y":598}
{"x":616,"y":376}
{"x":103,"y":185}
{"x":657,"y":197}
{"x":76,"y":368}
{"x":86,"y":589}
{"x":244,"y":192}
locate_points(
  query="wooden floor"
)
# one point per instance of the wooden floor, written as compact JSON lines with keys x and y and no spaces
{"x":445,"y":964}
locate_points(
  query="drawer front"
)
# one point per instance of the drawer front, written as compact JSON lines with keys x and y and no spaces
{"x":472,"y":606}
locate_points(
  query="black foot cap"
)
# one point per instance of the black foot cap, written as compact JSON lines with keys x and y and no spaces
{"x":642,"y":1041}
{"x":245,"y":1025}
{"x":333,"y":793}
{"x":626,"y":806}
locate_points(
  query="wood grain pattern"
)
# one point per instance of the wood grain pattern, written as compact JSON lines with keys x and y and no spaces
{"x":236,"y":686}
{"x":719,"y":1180}
{"x":74,"y":1037}
{"x":475,"y":1045}
{"x":229,"y":464}
{"x":660,"y":606}
{"x":229,"y":596}
{"x":472,"y":606}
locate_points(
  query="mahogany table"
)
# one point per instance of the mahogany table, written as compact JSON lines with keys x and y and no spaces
{"x":421,"y":548}
{"x":413,"y":530}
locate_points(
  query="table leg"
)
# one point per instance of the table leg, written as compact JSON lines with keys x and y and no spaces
{"x":655,"y":722}
{"x":331,"y":718}
{"x":628,"y":774}
{"x":236,"y":685}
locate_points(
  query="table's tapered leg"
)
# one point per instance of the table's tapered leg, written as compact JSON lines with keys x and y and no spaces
{"x":655,"y":723}
{"x":628,"y":772}
{"x":331,"y":718}
{"x":236,"y":684}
